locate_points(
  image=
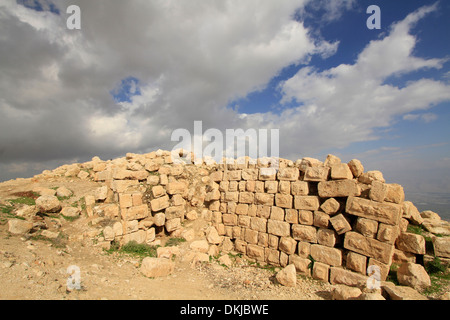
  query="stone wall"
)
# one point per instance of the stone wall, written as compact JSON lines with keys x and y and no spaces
{"x":330,"y":219}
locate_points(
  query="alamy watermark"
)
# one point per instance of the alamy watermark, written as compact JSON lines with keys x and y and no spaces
{"x":235,"y":145}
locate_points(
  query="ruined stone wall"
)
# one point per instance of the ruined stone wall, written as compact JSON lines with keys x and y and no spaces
{"x":330,"y":219}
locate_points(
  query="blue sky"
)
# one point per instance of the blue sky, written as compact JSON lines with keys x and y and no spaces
{"x":134,"y":73}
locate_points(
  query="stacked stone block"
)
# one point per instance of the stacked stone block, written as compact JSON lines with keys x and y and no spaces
{"x":330,"y":219}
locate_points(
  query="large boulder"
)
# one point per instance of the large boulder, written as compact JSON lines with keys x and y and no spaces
{"x":413,"y":275}
{"x":18,"y":226}
{"x":157,"y":267}
{"x":287,"y":276}
{"x":48,"y":204}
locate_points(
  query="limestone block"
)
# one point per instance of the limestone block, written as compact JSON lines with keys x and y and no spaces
{"x":320,"y":271}
{"x":175,"y":187}
{"x":340,"y":224}
{"x":264,"y":198}
{"x":160,"y":203}
{"x":356,"y":262}
{"x":369,"y":176}
{"x":378,"y":191}
{"x":414,"y":276}
{"x":304,"y":233}
{"x":441,"y":246}
{"x":369,"y":247}
{"x":356,"y":167}
{"x":138,"y":212}
{"x":388,"y":213}
{"x":321,"y":219}
{"x":287,"y":245}
{"x":330,"y":206}
{"x":306,"y":217}
{"x":394,"y":193}
{"x":411,"y":213}
{"x":289,"y":174}
{"x":157,"y":267}
{"x":339,"y":275}
{"x":287,"y":276}
{"x":338,"y":188}
{"x":255,"y":252}
{"x":277,"y":213}
{"x":411,"y":242}
{"x":299,"y":188}
{"x":306,"y":202}
{"x":327,"y":255}
{"x":291,"y":216}
{"x":283,"y":200}
{"x":258,"y":224}
{"x":327,"y":237}
{"x":316,"y":173}
{"x":341,"y":171}
{"x":278,"y":228}
{"x":367,"y":227}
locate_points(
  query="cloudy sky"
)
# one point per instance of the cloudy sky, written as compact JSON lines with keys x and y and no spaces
{"x":139,"y":69}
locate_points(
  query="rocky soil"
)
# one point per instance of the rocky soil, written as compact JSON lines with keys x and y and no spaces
{"x":36,"y":267}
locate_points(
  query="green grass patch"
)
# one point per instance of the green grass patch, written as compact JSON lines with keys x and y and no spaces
{"x":174,"y":242}
{"x":23,"y":200}
{"x":140,"y":250}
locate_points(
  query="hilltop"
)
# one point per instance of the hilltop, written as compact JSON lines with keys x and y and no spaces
{"x":107,"y":217}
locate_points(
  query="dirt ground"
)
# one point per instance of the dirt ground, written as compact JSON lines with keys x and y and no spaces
{"x":35,"y":268}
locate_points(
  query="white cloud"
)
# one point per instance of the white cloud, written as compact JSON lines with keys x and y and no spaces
{"x":345,"y":104}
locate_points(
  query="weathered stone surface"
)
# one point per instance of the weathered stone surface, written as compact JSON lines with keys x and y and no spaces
{"x":18,"y":226}
{"x":340,"y":224}
{"x":387,"y":233}
{"x":316,"y":173}
{"x":172,"y":224}
{"x":369,"y":176}
{"x":213,"y":236}
{"x":138,"y":236}
{"x":256,"y":252}
{"x":264,"y":198}
{"x":428,"y":214}
{"x":175,"y":187}
{"x":440,"y":227}
{"x":290,"y":174}
{"x":395,"y":193}
{"x":338,"y":188}
{"x":369,"y":247}
{"x":414,"y":276}
{"x":367,"y":227}
{"x":401,"y":292}
{"x":356,"y":262}
{"x":339,"y":275}
{"x":108,"y":233}
{"x":287,"y":245}
{"x":411,"y":242}
{"x":138,"y":212}
{"x":200,"y":246}
{"x":441,"y":246}
{"x":326,"y":237}
{"x":341,"y":171}
{"x":327,"y":255}
{"x":330,"y":206}
{"x":411,"y":213}
{"x":287,"y":276}
{"x":160,"y":203}
{"x":278,"y":228}
{"x":156,"y":267}
{"x":283,"y":200}
{"x":306,"y":203}
{"x":48,"y":204}
{"x":299,"y":188}
{"x":304,"y":233}
{"x":342,"y":292}
{"x":389,"y":213}
{"x":71,"y":212}
{"x":63,"y":192}
{"x":356,"y":167}
{"x":378,"y":191}
{"x":320,"y":271}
